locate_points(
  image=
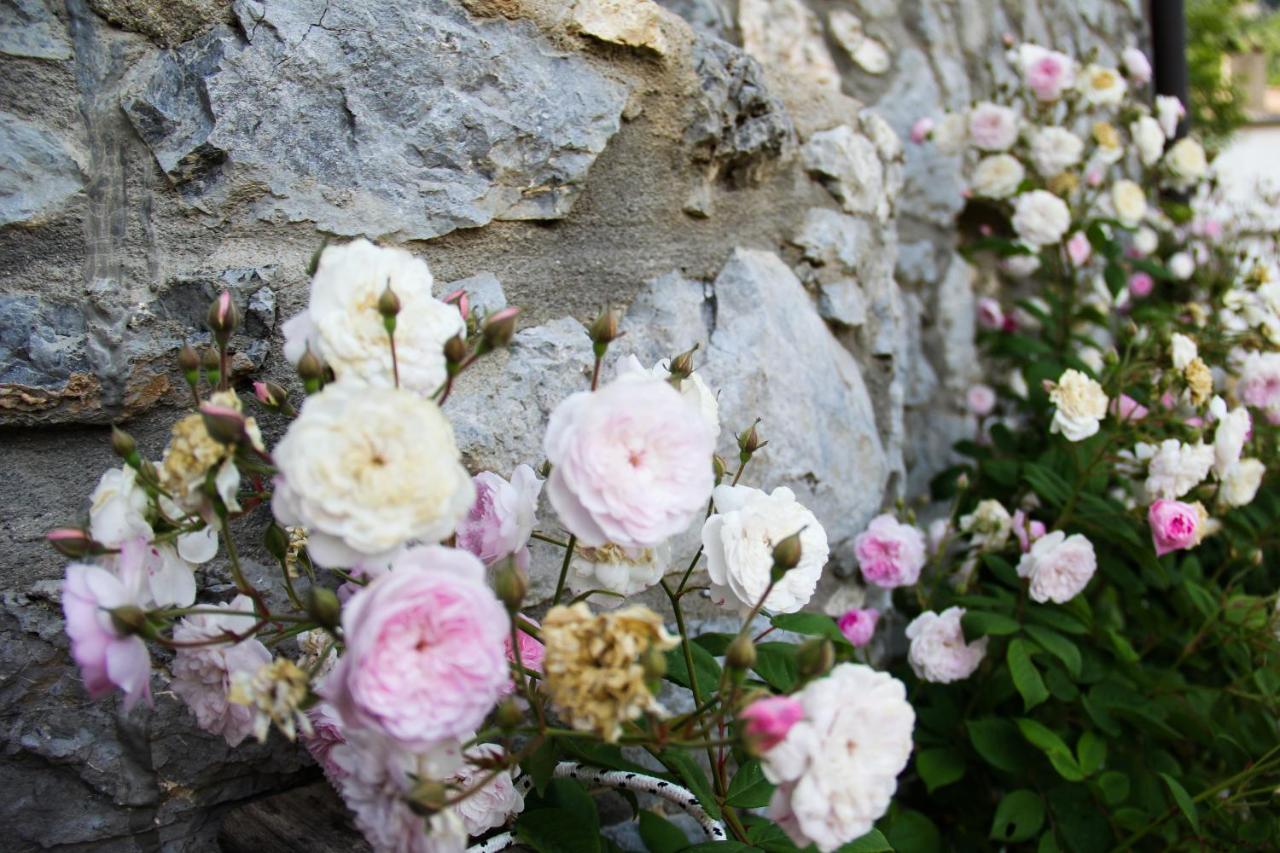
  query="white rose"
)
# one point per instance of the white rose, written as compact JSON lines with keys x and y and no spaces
{"x":938,"y":651}
{"x":1186,"y":162}
{"x":1021,"y":266}
{"x":343,"y":325}
{"x":1136,"y":65}
{"x":1169,"y":111}
{"x":692,"y":388}
{"x":738,"y":540}
{"x":1081,"y":405}
{"x":1229,"y":438}
{"x":1040,"y":218}
{"x":997,"y":176}
{"x":1059,"y":566}
{"x":951,"y":133}
{"x":1054,"y":150}
{"x":118,"y":507}
{"x":494,"y":803}
{"x":1182,"y":350}
{"x":1102,"y":86}
{"x":367,"y":469}
{"x":625,"y":571}
{"x":1176,"y":468}
{"x":837,"y":768}
{"x":1145,"y":241}
{"x":1148,"y":138}
{"x":988,"y":526}
{"x":1181,"y":266}
{"x":1241,"y":481}
{"x":1129,"y":201}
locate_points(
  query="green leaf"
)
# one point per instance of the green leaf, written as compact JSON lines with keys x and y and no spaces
{"x":715,"y":643}
{"x":939,"y":767}
{"x":661,"y":835}
{"x":718,"y":847}
{"x":776,"y":664}
{"x":1003,"y":570}
{"x":1055,"y":618}
{"x":557,"y":831}
{"x":1058,"y":646}
{"x":768,"y":836}
{"x":1046,"y":483}
{"x":1091,"y":752}
{"x":1018,"y":817}
{"x":979,"y":624}
{"x":872,"y":842}
{"x":1079,"y":822}
{"x":1123,"y":649}
{"x":1185,"y":804}
{"x":1115,"y":278}
{"x":683,"y":765}
{"x":1048,"y":843}
{"x":749,"y":789}
{"x":1114,"y":786}
{"x":910,"y":830}
{"x":998,"y":742}
{"x":704,"y":666}
{"x":811,"y":625}
{"x":1054,"y":748}
{"x":541,"y":764}
{"x":604,"y":755}
{"x":1026,"y":678}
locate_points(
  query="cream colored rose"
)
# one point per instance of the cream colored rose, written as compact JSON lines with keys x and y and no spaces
{"x":1081,"y":405}
{"x":1102,"y":86}
{"x":1129,"y":201}
{"x":997,"y":176}
{"x":1040,"y":218}
{"x":1054,"y":150}
{"x":1182,"y":350}
{"x":1186,"y":162}
{"x":1240,"y":482}
{"x":367,"y":470}
{"x":1148,"y":138}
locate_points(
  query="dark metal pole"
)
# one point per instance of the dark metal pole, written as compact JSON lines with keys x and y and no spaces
{"x":1169,"y":49}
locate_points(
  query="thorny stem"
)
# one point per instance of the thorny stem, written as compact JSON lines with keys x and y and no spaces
{"x":542,"y":537}
{"x":564,"y":568}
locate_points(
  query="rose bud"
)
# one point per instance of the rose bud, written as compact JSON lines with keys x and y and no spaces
{"x":223,"y":423}
{"x":223,"y":317}
{"x":323,"y":606}
{"x":741,"y":653}
{"x":72,"y":542}
{"x":816,"y":657}
{"x":459,"y":298}
{"x":604,"y":329}
{"x":455,"y":350}
{"x":189,"y":364}
{"x":499,"y":327}
{"x":311,"y":371}
{"x":749,"y":442}
{"x":276,"y":541}
{"x":786,"y":554}
{"x":389,"y":307}
{"x":212,"y":366}
{"x":682,"y":365}
{"x":123,"y":445}
{"x":511,"y":585}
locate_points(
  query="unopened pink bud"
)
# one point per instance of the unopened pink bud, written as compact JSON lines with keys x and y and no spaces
{"x":459,"y":298}
{"x":223,"y":423}
{"x":769,"y":720}
{"x":921,"y":129}
{"x":72,"y":542}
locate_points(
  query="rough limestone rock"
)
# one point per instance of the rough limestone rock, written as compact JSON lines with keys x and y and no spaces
{"x":786,"y":36}
{"x":850,"y":166}
{"x":38,"y":171}
{"x":28,"y":29}
{"x":635,"y":23}
{"x":306,"y":118}
{"x":166,"y":22}
{"x":870,"y":55}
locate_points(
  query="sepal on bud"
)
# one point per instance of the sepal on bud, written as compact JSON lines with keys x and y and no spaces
{"x":129,"y":619}
{"x":212,"y":366}
{"x":323,"y":606}
{"x":189,"y":364}
{"x":223,"y":317}
{"x":73,"y":542}
{"x":276,"y":541}
{"x":508,"y":715}
{"x":511,"y":585}
{"x":427,"y":797}
{"x":499,"y":328}
{"x":749,"y":442}
{"x":223,"y":423}
{"x":125,"y":447}
{"x":815,"y":657}
{"x":681,"y":366}
{"x":389,"y":308}
{"x":311,"y":371}
{"x":786,"y":555}
{"x":459,"y":299}
{"x":741,"y":653}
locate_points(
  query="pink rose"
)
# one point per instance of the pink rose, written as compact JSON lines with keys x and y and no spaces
{"x":769,"y":720}
{"x":1028,"y":530}
{"x":531,"y":652}
{"x":1093,"y":177}
{"x":501,"y":520}
{"x":631,"y":463}
{"x":424,"y":656}
{"x":326,"y":733}
{"x":202,"y":674}
{"x":1141,"y":284}
{"x":1047,"y":73}
{"x":993,"y":127}
{"x":981,"y":400}
{"x":1126,"y":408}
{"x":921,"y":129}
{"x":858,"y":625}
{"x":890,"y":553}
{"x":107,"y":656}
{"x":1079,"y":249}
{"x":1174,"y":526}
{"x":990,"y":314}
{"x":1059,"y":567}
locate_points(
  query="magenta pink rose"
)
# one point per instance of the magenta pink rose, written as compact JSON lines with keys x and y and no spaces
{"x":890,"y":553}
{"x":990,"y":314}
{"x":1047,"y":73}
{"x":1126,"y":408}
{"x":1174,"y":526}
{"x":631,"y":463}
{"x":501,"y":520}
{"x":858,"y":625}
{"x":1027,"y":529}
{"x":1079,"y":250}
{"x":425,"y":657}
{"x":768,"y":720}
{"x":1141,"y":284}
{"x":921,"y":129}
{"x":107,"y":656}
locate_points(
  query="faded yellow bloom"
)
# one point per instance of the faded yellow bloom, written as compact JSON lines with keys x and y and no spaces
{"x":297,"y":543}
{"x":1063,"y":184}
{"x":275,"y":693}
{"x":594,"y":664}
{"x":1199,"y":381}
{"x":1106,"y":135}
{"x":192,"y":453}
{"x":1260,"y":274}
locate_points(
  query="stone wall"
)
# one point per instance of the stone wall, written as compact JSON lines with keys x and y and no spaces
{"x":730,"y":171}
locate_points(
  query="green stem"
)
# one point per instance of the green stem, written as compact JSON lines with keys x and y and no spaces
{"x":564,"y":568}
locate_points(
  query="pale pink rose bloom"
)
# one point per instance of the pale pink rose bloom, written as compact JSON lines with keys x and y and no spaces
{"x":202,"y":674}
{"x":1047,"y":72}
{"x":425,"y":657}
{"x":859,"y":625}
{"x":1093,"y":177}
{"x":921,"y":129}
{"x":501,"y":520}
{"x":1259,"y":384}
{"x":1137,"y":65}
{"x":990,"y":314}
{"x":993,"y":127}
{"x":631,"y":463}
{"x":938,"y":650}
{"x":981,"y":400}
{"x":493,"y":804}
{"x":1028,"y":530}
{"x":106,"y":657}
{"x":1126,"y":408}
{"x":531,"y":653}
{"x":1079,"y":250}
{"x":1174,"y":526}
{"x":1059,"y":566}
{"x":326,"y":733}
{"x":890,"y":553}
{"x":769,"y":720}
{"x":1141,"y":284}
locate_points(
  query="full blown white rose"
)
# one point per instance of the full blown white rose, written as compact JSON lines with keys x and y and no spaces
{"x":1240,"y":482}
{"x":738,"y":541}
{"x":1102,"y":86}
{"x":1148,"y":137}
{"x":998,"y":176}
{"x":1054,"y":150}
{"x":1182,"y":350}
{"x":1040,"y":218}
{"x":366,"y":470}
{"x":1129,"y":201}
{"x":344,"y":327}
{"x":1186,"y":162}
{"x":1081,"y":405}
{"x":1059,"y":566}
{"x":1176,"y":468}
{"x":837,"y":768}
